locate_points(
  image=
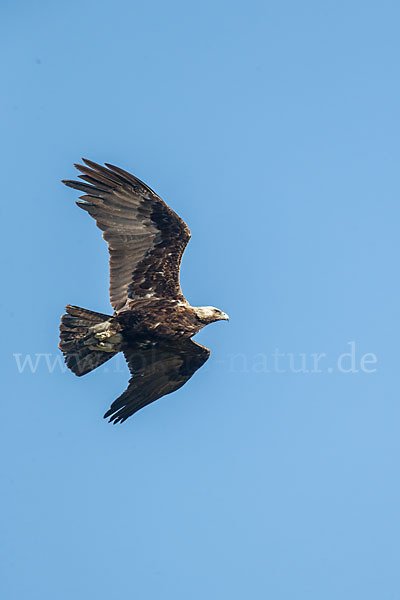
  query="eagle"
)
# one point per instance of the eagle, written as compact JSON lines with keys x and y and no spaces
{"x":152,"y":324}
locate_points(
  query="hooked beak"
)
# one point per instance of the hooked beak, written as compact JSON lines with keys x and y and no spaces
{"x":224,"y":317}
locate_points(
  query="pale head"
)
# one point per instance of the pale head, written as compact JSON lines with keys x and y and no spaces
{"x":209,"y":314}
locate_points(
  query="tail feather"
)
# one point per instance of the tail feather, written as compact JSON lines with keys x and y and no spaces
{"x":75,"y":340}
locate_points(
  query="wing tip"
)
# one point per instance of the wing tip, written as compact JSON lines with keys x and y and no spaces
{"x":84,"y":205}
{"x":91,"y":164}
{"x":113,"y":417}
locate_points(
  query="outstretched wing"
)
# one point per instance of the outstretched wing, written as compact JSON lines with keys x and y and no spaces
{"x":157,"y":369}
{"x":146,"y":239}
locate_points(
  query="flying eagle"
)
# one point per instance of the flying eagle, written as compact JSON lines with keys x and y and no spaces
{"x":152,"y":322}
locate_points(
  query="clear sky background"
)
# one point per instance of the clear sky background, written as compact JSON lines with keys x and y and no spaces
{"x":273,"y":129}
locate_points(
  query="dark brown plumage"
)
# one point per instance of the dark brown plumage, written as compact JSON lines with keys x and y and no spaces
{"x":152,"y":322}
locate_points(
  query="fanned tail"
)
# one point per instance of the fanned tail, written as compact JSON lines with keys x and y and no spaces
{"x":76,"y":339}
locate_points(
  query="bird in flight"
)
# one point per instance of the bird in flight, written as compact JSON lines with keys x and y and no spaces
{"x":152,"y":322}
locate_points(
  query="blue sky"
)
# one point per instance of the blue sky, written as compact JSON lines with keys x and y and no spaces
{"x":273,"y":129}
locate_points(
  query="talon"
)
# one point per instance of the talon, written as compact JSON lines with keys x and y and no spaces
{"x":102,"y":347}
{"x":103,"y":335}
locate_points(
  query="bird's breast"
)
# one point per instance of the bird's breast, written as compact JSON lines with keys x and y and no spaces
{"x":159,"y":319}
